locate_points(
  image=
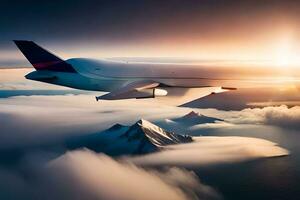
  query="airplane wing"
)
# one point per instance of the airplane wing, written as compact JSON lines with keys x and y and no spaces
{"x":165,"y":94}
{"x":138,"y":89}
{"x":179,"y":96}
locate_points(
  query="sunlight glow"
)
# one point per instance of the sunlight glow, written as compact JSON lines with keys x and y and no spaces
{"x":285,"y":53}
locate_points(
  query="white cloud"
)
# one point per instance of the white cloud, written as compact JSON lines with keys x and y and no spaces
{"x":208,"y":150}
{"x":279,"y":116}
{"x":86,"y":175}
{"x":100,"y":177}
{"x":217,"y":124}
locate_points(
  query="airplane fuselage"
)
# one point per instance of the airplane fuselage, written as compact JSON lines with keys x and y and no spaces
{"x":105,"y":75}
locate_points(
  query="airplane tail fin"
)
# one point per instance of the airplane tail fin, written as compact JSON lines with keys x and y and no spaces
{"x":42,"y":59}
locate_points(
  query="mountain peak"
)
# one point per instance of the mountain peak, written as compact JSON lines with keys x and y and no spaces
{"x":194,"y":118}
{"x":116,"y":127}
{"x":150,"y":134}
{"x":146,"y":124}
{"x":141,"y":137}
{"x":192,"y":114}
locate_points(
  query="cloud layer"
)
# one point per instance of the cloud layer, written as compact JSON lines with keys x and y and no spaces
{"x":83,"y":174}
{"x":208,"y":150}
{"x":282,"y":116}
{"x":100,"y":177}
{"x":38,"y":120}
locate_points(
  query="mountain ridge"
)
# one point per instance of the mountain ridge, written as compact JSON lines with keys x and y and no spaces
{"x":139,"y":138}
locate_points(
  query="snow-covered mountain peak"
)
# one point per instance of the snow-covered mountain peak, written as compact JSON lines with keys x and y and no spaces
{"x":141,"y":137}
{"x":145,"y":123}
{"x":160,"y":137}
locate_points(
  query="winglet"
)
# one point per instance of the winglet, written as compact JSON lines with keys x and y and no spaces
{"x":228,"y":88}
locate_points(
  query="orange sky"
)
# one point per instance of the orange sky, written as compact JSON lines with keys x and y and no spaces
{"x":236,"y":30}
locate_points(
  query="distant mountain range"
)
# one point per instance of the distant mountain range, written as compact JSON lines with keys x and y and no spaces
{"x":194,"y":118}
{"x":142,"y":137}
{"x":186,"y":122}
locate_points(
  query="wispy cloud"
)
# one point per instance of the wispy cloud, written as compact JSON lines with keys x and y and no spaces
{"x":282,"y":116}
{"x":83,"y":174}
{"x":212,"y":150}
{"x":98,"y":176}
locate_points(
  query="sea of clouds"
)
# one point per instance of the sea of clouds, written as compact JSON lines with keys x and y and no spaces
{"x":30,"y":122}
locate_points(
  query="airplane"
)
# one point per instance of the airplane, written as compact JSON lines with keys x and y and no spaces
{"x":173,"y":83}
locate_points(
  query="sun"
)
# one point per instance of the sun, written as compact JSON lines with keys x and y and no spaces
{"x":285,"y":56}
{"x":284,"y":52}
{"x":284,"y":59}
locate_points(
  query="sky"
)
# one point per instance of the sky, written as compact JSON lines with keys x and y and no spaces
{"x":205,"y":29}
